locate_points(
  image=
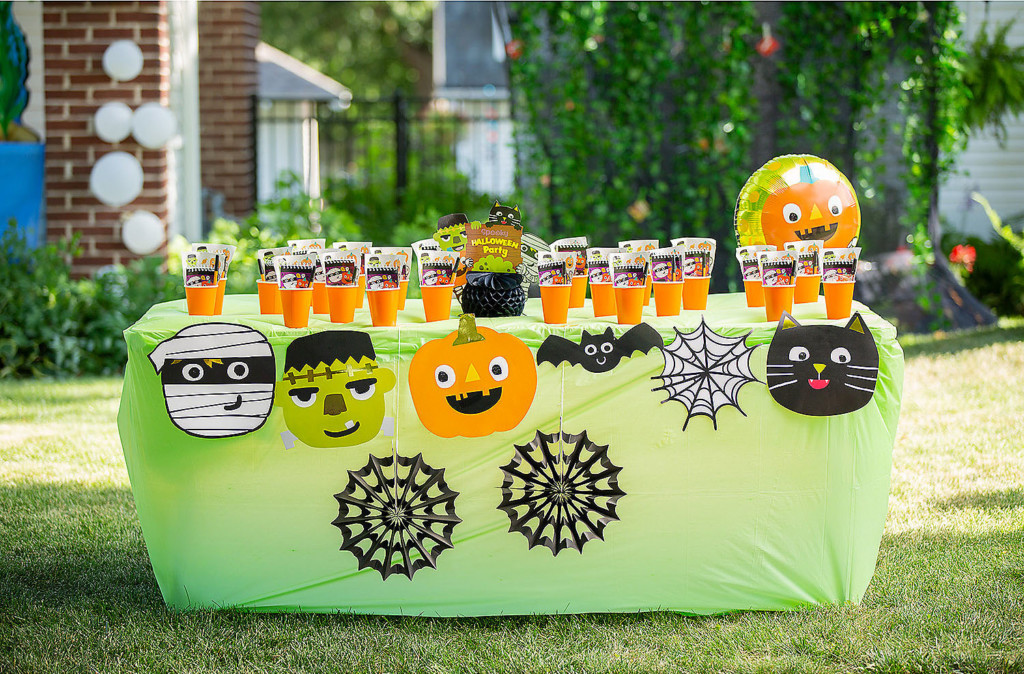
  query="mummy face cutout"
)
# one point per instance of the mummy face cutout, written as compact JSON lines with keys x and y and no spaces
{"x":218,"y":379}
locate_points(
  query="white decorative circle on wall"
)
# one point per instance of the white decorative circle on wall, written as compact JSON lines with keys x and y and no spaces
{"x":153,"y":125}
{"x":113,"y":122}
{"x":142,"y":232}
{"x":116,"y":179}
{"x":122,"y":60}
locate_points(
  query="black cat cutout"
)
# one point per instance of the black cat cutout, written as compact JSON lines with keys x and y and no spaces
{"x":599,"y":352}
{"x":505,"y":215}
{"x":822,"y":370}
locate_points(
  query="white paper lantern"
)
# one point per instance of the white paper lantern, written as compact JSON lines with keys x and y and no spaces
{"x":122,"y":60}
{"x":142,"y":232}
{"x":116,"y":179}
{"x":153,"y":125}
{"x":113,"y":122}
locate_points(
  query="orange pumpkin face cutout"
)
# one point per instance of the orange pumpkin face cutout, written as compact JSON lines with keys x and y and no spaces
{"x":796,"y":198}
{"x":473,"y":382}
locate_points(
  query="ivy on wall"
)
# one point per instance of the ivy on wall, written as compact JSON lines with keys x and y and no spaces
{"x":635,"y":116}
{"x":632,"y":109}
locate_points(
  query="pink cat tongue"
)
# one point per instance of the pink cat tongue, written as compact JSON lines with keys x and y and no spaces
{"x":818,"y":384}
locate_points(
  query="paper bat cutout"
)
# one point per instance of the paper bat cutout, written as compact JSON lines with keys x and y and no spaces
{"x":599,"y":352}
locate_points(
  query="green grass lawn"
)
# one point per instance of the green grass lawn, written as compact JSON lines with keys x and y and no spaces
{"x":77,"y":593}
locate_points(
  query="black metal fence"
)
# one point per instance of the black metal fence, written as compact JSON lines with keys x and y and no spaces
{"x":398,"y":153}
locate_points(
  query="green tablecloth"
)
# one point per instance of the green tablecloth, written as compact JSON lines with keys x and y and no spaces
{"x":770,"y":511}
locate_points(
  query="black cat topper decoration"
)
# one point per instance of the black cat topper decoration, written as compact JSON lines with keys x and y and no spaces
{"x":599,"y":352}
{"x":505,"y":215}
{"x":822,"y":370}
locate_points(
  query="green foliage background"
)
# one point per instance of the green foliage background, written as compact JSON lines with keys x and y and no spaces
{"x":622,"y":102}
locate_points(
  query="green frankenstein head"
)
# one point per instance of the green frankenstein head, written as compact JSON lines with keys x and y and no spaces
{"x":332,"y":390}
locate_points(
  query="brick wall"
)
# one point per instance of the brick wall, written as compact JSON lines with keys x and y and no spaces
{"x":228,"y":35}
{"x":75,"y":35}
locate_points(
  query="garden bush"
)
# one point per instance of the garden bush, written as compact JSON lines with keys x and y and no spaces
{"x":54,"y":325}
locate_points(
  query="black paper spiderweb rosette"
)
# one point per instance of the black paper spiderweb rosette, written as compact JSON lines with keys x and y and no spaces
{"x":396,"y":522}
{"x":560,"y":491}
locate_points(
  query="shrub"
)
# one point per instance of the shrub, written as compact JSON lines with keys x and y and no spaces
{"x":56,"y":326}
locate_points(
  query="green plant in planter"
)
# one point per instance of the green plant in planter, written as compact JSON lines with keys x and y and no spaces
{"x":13,"y":78}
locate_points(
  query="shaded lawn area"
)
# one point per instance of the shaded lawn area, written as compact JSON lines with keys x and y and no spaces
{"x":77,"y":592}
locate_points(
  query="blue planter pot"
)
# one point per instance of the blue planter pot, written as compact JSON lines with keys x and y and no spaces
{"x":21,"y":189}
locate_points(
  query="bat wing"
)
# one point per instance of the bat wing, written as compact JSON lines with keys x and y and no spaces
{"x":640,"y":337}
{"x":557,"y":350}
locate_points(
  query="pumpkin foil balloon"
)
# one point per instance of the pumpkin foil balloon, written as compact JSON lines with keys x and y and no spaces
{"x":473,"y":382}
{"x":797,"y":197}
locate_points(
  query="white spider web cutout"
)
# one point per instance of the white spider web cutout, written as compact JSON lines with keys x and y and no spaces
{"x":705,"y":371}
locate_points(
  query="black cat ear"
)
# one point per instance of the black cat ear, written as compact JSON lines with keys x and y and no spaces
{"x":787,"y":322}
{"x":516,"y":208}
{"x":496,"y":203}
{"x":857,"y":324}
{"x":609,"y":333}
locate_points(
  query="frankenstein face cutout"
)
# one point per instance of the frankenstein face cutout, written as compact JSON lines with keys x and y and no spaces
{"x":472,"y":383}
{"x":218,"y":379}
{"x":332,"y":390}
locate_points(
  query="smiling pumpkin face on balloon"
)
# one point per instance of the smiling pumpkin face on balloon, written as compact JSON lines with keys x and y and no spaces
{"x":797,"y":198}
{"x":473,"y":382}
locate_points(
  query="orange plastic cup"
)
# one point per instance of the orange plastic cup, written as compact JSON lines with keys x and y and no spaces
{"x":695,"y":293}
{"x":437,"y":302}
{"x":403,"y":294}
{"x":362,"y":291}
{"x":578,"y":295}
{"x":647,"y":291}
{"x":838,"y":300}
{"x":602,"y":297}
{"x":202,"y":301}
{"x":383,"y":307}
{"x":755,"y":293}
{"x":270,"y":297}
{"x":629,"y":304}
{"x":807,"y":288}
{"x":221,"y":287}
{"x":778,"y":299}
{"x":342,"y":301}
{"x":668,"y":298}
{"x":555,"y":302}
{"x":320,"y":303}
{"x":295,"y":303}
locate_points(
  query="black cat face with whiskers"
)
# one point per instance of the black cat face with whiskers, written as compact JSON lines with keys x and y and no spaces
{"x":505,"y":215}
{"x":822,"y":370}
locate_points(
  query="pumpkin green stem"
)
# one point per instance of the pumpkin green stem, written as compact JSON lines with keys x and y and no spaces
{"x":467,"y":330}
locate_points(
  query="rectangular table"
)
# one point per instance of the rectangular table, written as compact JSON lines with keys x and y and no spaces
{"x":770,"y":510}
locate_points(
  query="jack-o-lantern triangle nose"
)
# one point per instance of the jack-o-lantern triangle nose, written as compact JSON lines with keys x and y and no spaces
{"x":472,"y":374}
{"x":815,"y":213}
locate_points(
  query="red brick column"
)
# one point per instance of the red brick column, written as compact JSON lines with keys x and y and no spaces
{"x":75,"y":35}
{"x":228,"y":35}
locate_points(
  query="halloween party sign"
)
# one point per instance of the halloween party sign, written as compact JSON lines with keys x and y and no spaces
{"x":822,"y":370}
{"x":797,"y":197}
{"x":473,"y":382}
{"x":495,"y":245}
{"x":218,"y":379}
{"x":332,"y":390}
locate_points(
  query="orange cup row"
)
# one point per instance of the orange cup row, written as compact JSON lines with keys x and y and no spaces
{"x":626,"y":304}
{"x":775,"y":300}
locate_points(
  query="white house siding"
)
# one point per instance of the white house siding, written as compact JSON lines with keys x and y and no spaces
{"x":986,"y":167}
{"x":287,"y":140}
